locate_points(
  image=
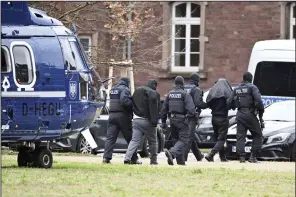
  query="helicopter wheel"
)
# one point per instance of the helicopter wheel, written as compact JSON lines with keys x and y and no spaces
{"x":43,"y":158}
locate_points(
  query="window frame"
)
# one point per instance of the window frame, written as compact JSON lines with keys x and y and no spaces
{"x":83,"y":61}
{"x":8,"y":56}
{"x":80,"y":97}
{"x":292,"y":20}
{"x":28,"y":86}
{"x":89,"y":46}
{"x":73,"y":40}
{"x":187,"y":21}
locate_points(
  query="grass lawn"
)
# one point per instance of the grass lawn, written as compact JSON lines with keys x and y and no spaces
{"x":89,"y":179}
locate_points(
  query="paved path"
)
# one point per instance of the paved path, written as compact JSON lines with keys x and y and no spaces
{"x":192,"y":163}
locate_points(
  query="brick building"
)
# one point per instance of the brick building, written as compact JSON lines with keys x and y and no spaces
{"x":212,"y":38}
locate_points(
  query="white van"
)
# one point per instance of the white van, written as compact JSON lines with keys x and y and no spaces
{"x":272,"y":63}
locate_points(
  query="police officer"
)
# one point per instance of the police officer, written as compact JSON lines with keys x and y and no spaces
{"x":196,"y":94}
{"x":120,"y":118}
{"x":179,"y":106}
{"x":247,"y":99}
{"x":146,"y":109}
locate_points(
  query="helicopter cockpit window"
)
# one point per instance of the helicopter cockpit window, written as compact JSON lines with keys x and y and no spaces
{"x":23,"y":64}
{"x":77,"y":56}
{"x":5,"y":60}
{"x":68,"y":54}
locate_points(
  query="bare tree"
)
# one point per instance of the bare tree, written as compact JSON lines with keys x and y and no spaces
{"x":110,"y":20}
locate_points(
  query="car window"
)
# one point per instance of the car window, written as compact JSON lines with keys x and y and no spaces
{"x":281,"y":111}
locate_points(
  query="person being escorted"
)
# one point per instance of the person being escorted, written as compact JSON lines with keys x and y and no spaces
{"x":217,"y":100}
{"x":195,"y":92}
{"x":146,"y":112}
{"x":180,"y":107}
{"x":120,"y":118}
{"x":247,"y":99}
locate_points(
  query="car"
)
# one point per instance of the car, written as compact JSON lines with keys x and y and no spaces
{"x":278,"y":135}
{"x":98,"y":129}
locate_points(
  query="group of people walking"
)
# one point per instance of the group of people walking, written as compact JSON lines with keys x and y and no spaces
{"x":138,"y":114}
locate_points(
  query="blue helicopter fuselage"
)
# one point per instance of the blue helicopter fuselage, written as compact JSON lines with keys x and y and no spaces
{"x":45,"y":81}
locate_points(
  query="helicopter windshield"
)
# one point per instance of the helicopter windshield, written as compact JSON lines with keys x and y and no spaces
{"x":86,"y":57}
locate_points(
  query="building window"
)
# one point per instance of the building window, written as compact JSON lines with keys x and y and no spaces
{"x":293,"y":21}
{"x":86,"y":44}
{"x":23,"y":64}
{"x":186,"y":28}
{"x":5,"y":63}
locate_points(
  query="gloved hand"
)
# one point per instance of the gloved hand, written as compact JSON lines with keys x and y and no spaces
{"x":164,"y":125}
{"x":262,"y":125}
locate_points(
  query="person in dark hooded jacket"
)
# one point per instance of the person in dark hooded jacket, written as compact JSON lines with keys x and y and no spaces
{"x":120,"y":118}
{"x":146,"y":112}
{"x":179,"y":106}
{"x":217,"y":100}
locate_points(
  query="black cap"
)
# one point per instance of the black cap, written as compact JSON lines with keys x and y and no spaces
{"x":126,"y":80}
{"x":152,"y":84}
{"x":248,"y":77}
{"x":194,"y":77}
{"x":179,"y":80}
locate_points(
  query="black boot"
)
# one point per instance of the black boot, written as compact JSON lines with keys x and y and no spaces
{"x":136,"y":162}
{"x":201,"y":157}
{"x":153,"y":160}
{"x":222,"y":156}
{"x":253,"y":158}
{"x":170,"y":157}
{"x":242,"y":159}
{"x":107,"y":161}
{"x":210,"y":157}
{"x":127,"y":162}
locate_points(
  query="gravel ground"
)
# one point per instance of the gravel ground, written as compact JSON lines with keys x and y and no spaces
{"x":118,"y":159}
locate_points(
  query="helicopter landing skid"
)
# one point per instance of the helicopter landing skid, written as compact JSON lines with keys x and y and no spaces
{"x":34,"y":155}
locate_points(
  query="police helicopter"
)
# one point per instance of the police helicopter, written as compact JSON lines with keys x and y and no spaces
{"x":46,"y":84}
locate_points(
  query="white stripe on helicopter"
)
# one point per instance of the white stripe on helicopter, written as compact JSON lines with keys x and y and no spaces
{"x":48,"y":94}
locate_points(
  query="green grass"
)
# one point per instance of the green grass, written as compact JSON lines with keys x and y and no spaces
{"x":84,"y":179}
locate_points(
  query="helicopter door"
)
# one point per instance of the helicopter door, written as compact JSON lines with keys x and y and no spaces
{"x":76,"y":79}
{"x":24,"y":78}
{"x":7,"y":81}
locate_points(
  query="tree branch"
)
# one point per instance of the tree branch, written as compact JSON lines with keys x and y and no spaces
{"x":75,"y":10}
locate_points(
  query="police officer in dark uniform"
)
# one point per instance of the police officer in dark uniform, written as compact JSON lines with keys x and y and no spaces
{"x":120,"y":118}
{"x":179,"y":106}
{"x":196,"y":94}
{"x":247,"y":99}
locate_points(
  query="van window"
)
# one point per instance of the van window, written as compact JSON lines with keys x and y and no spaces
{"x":276,"y":78}
{"x":23,"y":64}
{"x":5,"y":60}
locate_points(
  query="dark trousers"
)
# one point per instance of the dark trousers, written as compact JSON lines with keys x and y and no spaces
{"x":118,"y":122}
{"x":192,"y":144}
{"x":143,"y":127}
{"x":180,"y":137}
{"x":248,"y":121}
{"x":220,"y":127}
